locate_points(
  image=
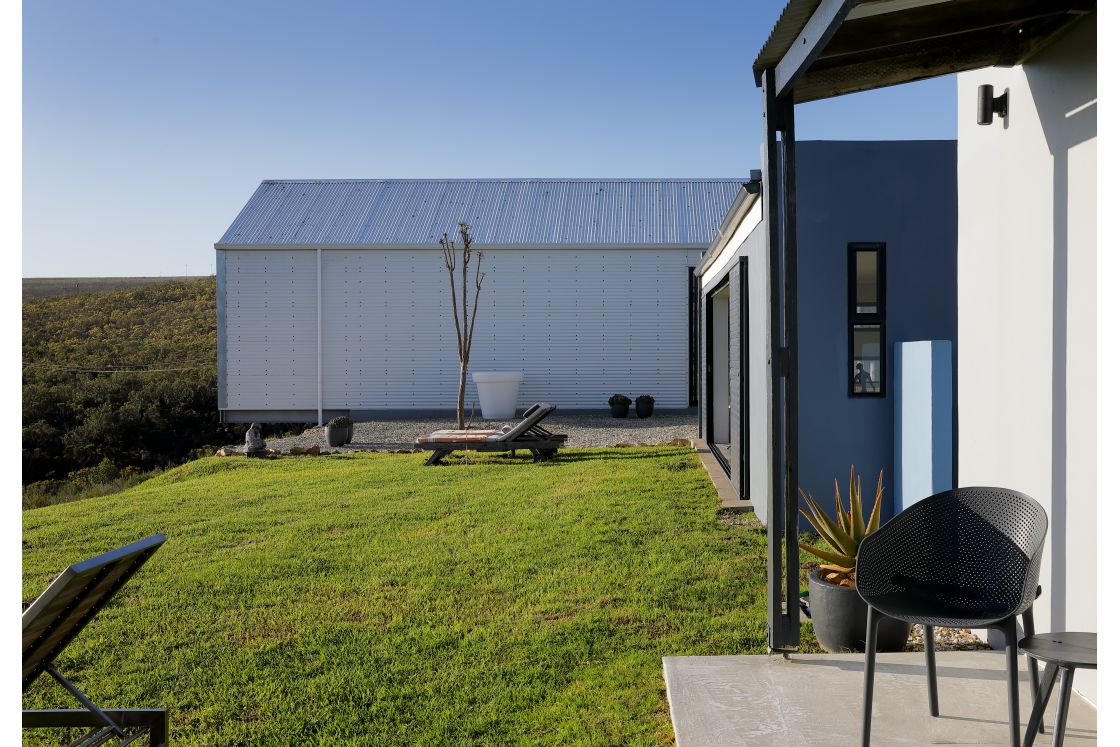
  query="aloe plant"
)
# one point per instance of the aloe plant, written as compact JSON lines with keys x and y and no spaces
{"x":845,"y":534}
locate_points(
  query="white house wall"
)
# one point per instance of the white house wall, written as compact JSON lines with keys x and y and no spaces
{"x":1027,"y":322}
{"x":751,"y":245}
{"x":581,"y":324}
{"x":270,"y":330}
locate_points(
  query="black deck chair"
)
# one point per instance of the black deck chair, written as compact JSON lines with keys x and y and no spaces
{"x":528,"y":434}
{"x":965,"y":558}
{"x":57,"y":617}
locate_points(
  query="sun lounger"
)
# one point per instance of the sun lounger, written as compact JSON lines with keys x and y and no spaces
{"x":57,"y":617}
{"x":528,"y":434}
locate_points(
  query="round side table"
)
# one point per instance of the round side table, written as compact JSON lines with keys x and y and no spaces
{"x":1063,"y":653}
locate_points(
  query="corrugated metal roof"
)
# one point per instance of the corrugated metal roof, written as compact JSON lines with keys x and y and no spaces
{"x":784,"y":34}
{"x":528,"y":212}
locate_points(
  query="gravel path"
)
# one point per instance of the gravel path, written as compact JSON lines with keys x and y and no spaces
{"x":582,"y":430}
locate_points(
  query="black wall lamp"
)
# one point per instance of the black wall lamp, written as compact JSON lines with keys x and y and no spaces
{"x":987,"y":105}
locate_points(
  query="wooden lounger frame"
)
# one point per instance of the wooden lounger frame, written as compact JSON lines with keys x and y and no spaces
{"x":528,"y":434}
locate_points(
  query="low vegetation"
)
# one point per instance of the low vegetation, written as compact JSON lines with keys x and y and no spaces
{"x":361,"y":599}
{"x":116,"y":385}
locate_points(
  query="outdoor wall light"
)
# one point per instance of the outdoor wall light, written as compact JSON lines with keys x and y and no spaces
{"x":754,"y":186}
{"x":986,"y":105}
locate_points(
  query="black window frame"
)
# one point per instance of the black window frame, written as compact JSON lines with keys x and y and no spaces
{"x":744,"y":382}
{"x":693,"y":338}
{"x":879,"y":317}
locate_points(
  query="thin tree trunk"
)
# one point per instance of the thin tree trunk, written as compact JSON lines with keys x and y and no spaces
{"x":462,"y":394}
{"x":464,"y":324}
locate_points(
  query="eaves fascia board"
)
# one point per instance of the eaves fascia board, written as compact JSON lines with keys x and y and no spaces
{"x":742,"y":205}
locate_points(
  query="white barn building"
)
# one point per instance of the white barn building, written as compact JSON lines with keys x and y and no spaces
{"x":333,"y":297}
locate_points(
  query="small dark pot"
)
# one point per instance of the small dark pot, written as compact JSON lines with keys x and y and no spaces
{"x":336,"y":435}
{"x":839,"y":617}
{"x":643,"y":409}
{"x":620,"y":411}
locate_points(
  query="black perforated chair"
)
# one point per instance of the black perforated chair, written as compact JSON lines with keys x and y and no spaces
{"x":966,"y":558}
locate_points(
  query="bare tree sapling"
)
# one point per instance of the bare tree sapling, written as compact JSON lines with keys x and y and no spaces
{"x":454,"y":258}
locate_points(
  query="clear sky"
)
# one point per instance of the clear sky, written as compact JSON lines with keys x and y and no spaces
{"x":148,"y":124}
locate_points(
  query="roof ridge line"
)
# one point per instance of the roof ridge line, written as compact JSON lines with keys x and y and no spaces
{"x":512,"y":179}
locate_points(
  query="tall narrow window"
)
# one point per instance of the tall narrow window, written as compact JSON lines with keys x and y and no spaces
{"x":867,"y":317}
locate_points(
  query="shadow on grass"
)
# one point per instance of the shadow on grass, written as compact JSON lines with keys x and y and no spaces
{"x":592,"y":454}
{"x":641,"y":452}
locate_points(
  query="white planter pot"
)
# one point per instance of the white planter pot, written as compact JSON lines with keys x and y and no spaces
{"x":497,"y":393}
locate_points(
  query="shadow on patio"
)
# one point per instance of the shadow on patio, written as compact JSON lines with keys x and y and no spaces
{"x":814,"y":699}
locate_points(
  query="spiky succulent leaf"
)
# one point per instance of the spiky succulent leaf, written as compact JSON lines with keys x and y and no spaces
{"x":876,"y":510}
{"x":831,"y":532}
{"x":859,"y":529}
{"x":831,"y":557}
{"x":836,"y":568}
{"x":841,"y":540}
{"x":828,"y":533}
{"x":842,"y":516}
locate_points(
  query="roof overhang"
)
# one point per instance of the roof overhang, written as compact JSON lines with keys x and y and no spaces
{"x":824,"y":48}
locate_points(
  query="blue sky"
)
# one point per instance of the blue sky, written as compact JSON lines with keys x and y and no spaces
{"x":148,"y":124}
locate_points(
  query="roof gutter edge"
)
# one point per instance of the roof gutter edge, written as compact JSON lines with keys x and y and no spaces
{"x":742,"y":205}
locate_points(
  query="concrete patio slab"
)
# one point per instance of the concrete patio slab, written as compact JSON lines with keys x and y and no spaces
{"x":815,"y":699}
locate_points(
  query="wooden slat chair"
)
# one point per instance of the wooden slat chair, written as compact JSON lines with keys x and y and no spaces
{"x":59,"y":614}
{"x":528,"y":434}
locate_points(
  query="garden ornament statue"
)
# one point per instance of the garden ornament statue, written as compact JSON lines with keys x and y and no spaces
{"x":254,"y":444}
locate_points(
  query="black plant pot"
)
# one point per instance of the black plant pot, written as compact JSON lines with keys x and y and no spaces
{"x":839,"y":617}
{"x":620,"y":410}
{"x":336,"y":435}
{"x":643,"y":409}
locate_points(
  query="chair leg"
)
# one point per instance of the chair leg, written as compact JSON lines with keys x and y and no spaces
{"x":931,"y":671}
{"x":1066,"y":676}
{"x":870,"y":642}
{"x":1032,"y":663}
{"x":1044,"y":691}
{"x":1010,"y":634}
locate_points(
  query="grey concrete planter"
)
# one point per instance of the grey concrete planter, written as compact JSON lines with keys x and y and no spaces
{"x":839,"y":617}
{"x":338,"y":435}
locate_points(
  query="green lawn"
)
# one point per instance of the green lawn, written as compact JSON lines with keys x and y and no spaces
{"x":364,"y":599}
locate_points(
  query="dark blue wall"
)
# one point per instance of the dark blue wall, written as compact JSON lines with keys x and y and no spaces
{"x":900,"y":193}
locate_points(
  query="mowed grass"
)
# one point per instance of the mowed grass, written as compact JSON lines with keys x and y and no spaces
{"x":364,"y":599}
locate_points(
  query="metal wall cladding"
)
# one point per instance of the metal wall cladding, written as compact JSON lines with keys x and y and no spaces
{"x":580,"y":324}
{"x":514,"y":212}
{"x":270,"y":330}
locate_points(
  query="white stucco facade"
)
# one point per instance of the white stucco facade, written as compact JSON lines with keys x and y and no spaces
{"x":1027,"y":308}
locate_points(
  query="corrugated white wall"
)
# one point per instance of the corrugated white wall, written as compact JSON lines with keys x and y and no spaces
{"x":270,"y":329}
{"x":580,"y":323}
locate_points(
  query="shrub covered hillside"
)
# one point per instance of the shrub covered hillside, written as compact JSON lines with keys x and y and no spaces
{"x":119,"y":380}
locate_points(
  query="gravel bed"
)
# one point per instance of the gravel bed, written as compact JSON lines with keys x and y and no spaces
{"x":945,"y":639}
{"x":583,"y":431}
